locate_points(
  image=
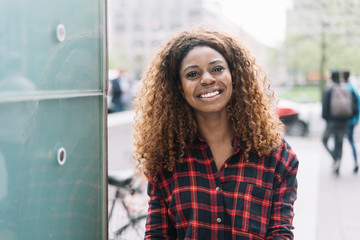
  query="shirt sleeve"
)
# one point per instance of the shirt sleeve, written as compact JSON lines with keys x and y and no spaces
{"x":284,"y":195}
{"x":158,"y":224}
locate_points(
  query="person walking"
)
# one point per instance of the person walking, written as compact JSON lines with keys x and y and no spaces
{"x":353,"y":121}
{"x":337,"y":109}
{"x":210,"y":144}
{"x":116,"y":92}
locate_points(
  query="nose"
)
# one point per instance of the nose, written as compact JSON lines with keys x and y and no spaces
{"x":207,"y":79}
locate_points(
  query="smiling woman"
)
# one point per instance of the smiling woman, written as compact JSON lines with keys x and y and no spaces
{"x":210,"y":144}
{"x":206,"y":81}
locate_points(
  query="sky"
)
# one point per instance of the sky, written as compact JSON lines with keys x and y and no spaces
{"x":263,"y":19}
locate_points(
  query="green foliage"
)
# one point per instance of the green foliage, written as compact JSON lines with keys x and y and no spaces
{"x":302,"y":93}
{"x":303,"y":54}
{"x":345,"y":57}
{"x":323,"y":32}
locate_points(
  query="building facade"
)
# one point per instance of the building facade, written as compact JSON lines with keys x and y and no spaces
{"x":137,"y":27}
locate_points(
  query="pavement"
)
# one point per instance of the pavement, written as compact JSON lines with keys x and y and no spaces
{"x":328,"y":206}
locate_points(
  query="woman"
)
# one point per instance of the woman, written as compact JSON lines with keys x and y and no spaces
{"x":210,"y":144}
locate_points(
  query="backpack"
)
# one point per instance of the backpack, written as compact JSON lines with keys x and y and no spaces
{"x":342,"y":102}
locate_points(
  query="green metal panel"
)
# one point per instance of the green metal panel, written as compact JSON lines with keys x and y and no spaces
{"x":28,"y":31}
{"x":52,"y":119}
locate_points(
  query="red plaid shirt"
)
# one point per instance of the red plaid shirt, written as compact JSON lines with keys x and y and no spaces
{"x":243,"y":200}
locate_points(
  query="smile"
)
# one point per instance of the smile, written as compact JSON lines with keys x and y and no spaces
{"x":210,"y":94}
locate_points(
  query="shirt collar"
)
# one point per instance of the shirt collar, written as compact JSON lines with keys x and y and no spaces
{"x":237,"y":143}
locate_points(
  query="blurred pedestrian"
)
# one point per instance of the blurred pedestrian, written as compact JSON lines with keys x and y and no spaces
{"x":119,"y":93}
{"x":353,"y":121}
{"x":337,"y":108}
{"x":210,"y":144}
{"x":115,"y":92}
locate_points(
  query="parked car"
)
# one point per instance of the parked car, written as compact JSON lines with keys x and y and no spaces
{"x":294,"y":117}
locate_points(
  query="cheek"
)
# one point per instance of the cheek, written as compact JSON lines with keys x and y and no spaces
{"x":230,"y":91}
{"x":187,"y":96}
{"x":186,"y":89}
{"x":231,"y":86}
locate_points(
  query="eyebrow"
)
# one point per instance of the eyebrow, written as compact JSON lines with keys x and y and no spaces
{"x":216,"y":61}
{"x":210,"y":63}
{"x":191,"y":66}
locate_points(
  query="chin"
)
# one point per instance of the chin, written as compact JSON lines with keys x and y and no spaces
{"x":212,"y":110}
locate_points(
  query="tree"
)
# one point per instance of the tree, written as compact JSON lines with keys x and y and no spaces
{"x":323,"y":35}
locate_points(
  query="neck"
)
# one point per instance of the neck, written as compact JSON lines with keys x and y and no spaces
{"x":215,"y":128}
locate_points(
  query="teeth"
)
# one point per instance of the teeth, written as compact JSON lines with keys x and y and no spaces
{"x":211,"y":94}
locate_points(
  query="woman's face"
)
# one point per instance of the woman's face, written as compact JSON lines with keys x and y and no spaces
{"x":206,"y":80}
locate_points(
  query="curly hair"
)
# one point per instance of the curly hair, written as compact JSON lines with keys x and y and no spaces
{"x":164,"y":121}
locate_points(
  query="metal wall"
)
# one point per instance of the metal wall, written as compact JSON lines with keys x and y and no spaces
{"x":53,"y":119}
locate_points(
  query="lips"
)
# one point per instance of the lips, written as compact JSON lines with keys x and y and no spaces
{"x":210,"y":94}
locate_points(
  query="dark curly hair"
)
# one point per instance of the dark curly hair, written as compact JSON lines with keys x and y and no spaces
{"x":164,"y":121}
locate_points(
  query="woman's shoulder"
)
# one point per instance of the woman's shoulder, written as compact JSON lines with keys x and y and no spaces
{"x":282,"y":154}
{"x":283,"y":145}
{"x":162,"y":178}
{"x":285,"y":157}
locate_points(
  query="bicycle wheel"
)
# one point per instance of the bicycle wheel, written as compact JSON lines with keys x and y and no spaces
{"x":134,"y":230}
{"x":117,"y":217}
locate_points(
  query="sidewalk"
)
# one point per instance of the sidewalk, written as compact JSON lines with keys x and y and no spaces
{"x":306,"y":205}
{"x":328,"y":207}
{"x":339,"y":200}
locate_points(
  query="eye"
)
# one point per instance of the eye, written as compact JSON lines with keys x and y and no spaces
{"x":192,"y":74}
{"x":218,"y":69}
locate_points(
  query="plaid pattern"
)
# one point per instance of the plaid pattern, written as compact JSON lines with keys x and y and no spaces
{"x":245,"y":199}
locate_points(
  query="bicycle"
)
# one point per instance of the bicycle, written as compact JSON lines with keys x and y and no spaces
{"x":127,"y":214}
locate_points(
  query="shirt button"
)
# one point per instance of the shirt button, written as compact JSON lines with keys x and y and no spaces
{"x":218,"y":220}
{"x":225,"y":165}
{"x":217,"y":189}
